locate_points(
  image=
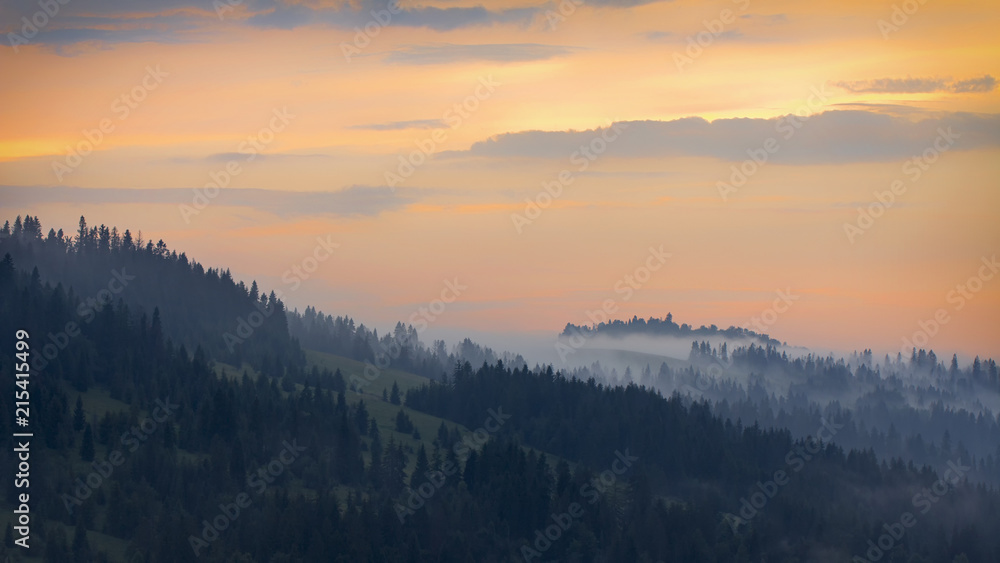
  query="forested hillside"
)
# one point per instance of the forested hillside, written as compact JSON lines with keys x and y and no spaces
{"x":155,"y":442}
{"x":198,"y":306}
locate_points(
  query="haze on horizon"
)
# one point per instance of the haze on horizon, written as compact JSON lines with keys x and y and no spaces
{"x":625,"y":122}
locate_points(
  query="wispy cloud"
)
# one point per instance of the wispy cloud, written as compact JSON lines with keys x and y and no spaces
{"x":984,"y":84}
{"x":171,"y":21}
{"x":829,"y":137}
{"x":350,"y":201}
{"x":910,"y":85}
{"x":401,"y":125}
{"x":449,"y":53}
{"x":766,"y":18}
{"x":660,"y":35}
{"x":224,"y":157}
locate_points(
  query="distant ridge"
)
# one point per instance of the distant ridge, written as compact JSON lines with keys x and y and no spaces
{"x":663,"y":327}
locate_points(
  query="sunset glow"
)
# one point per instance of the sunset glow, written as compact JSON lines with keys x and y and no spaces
{"x":742,"y":137}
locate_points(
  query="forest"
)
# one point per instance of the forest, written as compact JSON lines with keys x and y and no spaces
{"x":159,"y":439}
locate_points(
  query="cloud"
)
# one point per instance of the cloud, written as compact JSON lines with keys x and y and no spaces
{"x":659,"y":35}
{"x":400,"y":125}
{"x":625,"y":174}
{"x":918,"y":85}
{"x":766,"y":18}
{"x":825,"y":138}
{"x":114,"y":21}
{"x":447,"y":19}
{"x":890,"y":109}
{"x":985,"y":84}
{"x":169,"y":21}
{"x":224,"y":157}
{"x":350,"y":201}
{"x":621,"y":3}
{"x":449,"y":53}
{"x":65,"y":30}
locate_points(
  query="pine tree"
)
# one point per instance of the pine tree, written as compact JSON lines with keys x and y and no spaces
{"x":169,"y":436}
{"x":361,"y":417}
{"x":442,"y":435}
{"x":394,"y":395}
{"x":82,"y":234}
{"x":104,"y":429}
{"x":403,"y":422}
{"x":81,"y":547}
{"x":375,"y":470}
{"x":78,"y":418}
{"x":421,"y":468}
{"x":237,"y":467}
{"x":87,"y":447}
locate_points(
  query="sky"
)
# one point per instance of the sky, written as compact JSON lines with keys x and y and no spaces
{"x":822,"y":172}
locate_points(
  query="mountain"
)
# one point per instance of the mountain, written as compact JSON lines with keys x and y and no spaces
{"x":663,"y":327}
{"x":155,"y":440}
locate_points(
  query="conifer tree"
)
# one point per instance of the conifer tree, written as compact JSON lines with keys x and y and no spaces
{"x":87,"y":446}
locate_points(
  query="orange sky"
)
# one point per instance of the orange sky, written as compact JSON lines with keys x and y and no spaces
{"x":533,"y":93}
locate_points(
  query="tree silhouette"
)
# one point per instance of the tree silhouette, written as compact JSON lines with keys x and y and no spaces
{"x":78,"y":416}
{"x":87,"y":446}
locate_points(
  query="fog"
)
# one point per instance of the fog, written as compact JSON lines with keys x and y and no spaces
{"x":916,"y":408}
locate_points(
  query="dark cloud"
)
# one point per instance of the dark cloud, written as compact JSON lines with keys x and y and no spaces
{"x":64,"y":30}
{"x":829,"y":137}
{"x":114,"y":21}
